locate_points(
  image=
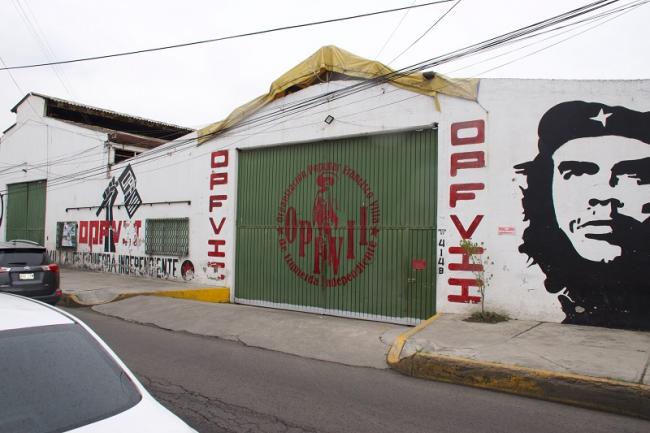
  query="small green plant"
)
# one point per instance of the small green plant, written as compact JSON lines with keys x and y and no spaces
{"x":487,"y":317}
{"x":479,"y":262}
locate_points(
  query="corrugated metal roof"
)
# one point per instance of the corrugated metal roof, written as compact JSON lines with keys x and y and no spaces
{"x":81,"y":108}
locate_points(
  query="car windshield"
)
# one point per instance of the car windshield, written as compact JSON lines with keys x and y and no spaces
{"x":56,"y":378}
{"x":23,"y":257}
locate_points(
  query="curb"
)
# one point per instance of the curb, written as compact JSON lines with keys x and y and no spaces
{"x":584,"y":391}
{"x":219,"y":295}
{"x":211,"y":294}
{"x":395,"y":351}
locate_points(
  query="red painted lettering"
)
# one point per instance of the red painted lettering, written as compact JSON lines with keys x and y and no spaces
{"x":456,"y":192}
{"x":218,"y":179}
{"x":477,"y":138}
{"x":350,"y":252}
{"x":216,"y":244}
{"x":464,"y":160}
{"x":464,"y":296}
{"x":319,"y":254}
{"x":328,"y":249}
{"x":465,"y":264}
{"x":291,"y":225}
{"x":83,"y":232}
{"x":93,"y":237}
{"x":103,"y":230}
{"x":219,"y":159}
{"x":117,"y":228}
{"x":217,"y":201}
{"x":305,"y":236}
{"x":217,"y":229}
{"x":466,"y":234}
{"x":363,"y":232}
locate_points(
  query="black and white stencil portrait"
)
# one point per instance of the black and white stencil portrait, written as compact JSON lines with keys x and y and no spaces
{"x":587,"y":202}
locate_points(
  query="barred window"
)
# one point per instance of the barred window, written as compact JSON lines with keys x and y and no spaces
{"x":167,"y":237}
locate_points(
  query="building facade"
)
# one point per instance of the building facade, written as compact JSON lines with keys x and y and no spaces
{"x":385,"y":204}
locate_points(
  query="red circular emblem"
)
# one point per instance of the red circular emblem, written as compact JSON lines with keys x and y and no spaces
{"x":328,"y":224}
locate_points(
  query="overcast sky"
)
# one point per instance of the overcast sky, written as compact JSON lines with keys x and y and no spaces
{"x":199,"y":85}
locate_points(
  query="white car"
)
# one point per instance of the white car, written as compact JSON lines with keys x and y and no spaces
{"x":57,"y":375}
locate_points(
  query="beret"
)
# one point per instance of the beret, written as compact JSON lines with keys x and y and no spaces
{"x":577,"y":119}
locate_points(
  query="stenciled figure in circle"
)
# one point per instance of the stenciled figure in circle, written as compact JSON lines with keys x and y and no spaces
{"x":325,"y":219}
{"x":588,"y":207}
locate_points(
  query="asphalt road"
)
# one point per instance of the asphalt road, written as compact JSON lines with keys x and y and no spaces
{"x":223,"y":386}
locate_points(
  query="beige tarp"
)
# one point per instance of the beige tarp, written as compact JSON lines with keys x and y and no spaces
{"x":336,"y":60}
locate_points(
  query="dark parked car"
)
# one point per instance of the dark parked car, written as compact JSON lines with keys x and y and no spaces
{"x":26,"y":269}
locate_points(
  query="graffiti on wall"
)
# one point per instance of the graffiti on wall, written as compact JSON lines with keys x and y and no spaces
{"x":132,"y":201}
{"x":145,"y":266}
{"x":463,"y":282}
{"x":587,"y":202}
{"x":101,"y":232}
{"x":216,"y":218}
{"x":326,"y":244}
{"x":69,"y":235}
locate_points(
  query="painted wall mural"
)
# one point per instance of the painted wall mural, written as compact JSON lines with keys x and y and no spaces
{"x":101,"y":232}
{"x":587,"y":202}
{"x":132,"y":202}
{"x":124,"y":264}
{"x":312,"y":243}
{"x":217,"y":218}
{"x":468,"y":141}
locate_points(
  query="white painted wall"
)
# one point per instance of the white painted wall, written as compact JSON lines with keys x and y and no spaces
{"x":509,"y":109}
{"x":512,"y":110}
{"x":39,"y":147}
{"x":380,"y":109}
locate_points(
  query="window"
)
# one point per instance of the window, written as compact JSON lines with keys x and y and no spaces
{"x":23,"y":257}
{"x":57,"y":378}
{"x":123,"y":155}
{"x":167,"y":237}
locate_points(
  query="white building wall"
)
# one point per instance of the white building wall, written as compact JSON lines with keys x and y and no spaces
{"x":512,"y":110}
{"x":487,"y":206}
{"x":380,"y":109}
{"x":42,"y":148}
{"x":167,"y":182}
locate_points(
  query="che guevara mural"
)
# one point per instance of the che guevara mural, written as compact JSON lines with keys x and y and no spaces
{"x":587,"y":202}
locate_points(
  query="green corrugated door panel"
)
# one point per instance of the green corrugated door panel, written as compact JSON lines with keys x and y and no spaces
{"x":36,"y":212}
{"x":26,"y":211}
{"x":16,"y":211}
{"x":341,"y":235}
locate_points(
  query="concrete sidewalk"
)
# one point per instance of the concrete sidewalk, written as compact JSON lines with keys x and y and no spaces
{"x":346,"y":341}
{"x":85,"y":288}
{"x":592,"y":367}
{"x":598,"y":368}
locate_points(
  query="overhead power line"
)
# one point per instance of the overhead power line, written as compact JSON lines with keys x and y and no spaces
{"x":222,"y":38}
{"x":309,"y":103}
{"x":599,"y":19}
{"x":487,"y":45}
{"x":393,"y":32}
{"x":426,"y":32}
{"x":545,"y":26}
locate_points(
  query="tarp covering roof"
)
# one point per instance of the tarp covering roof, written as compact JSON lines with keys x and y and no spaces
{"x":331,"y":59}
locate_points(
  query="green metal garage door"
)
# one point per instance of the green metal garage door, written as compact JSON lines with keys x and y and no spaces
{"x":26,"y":211}
{"x":344,"y":227}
